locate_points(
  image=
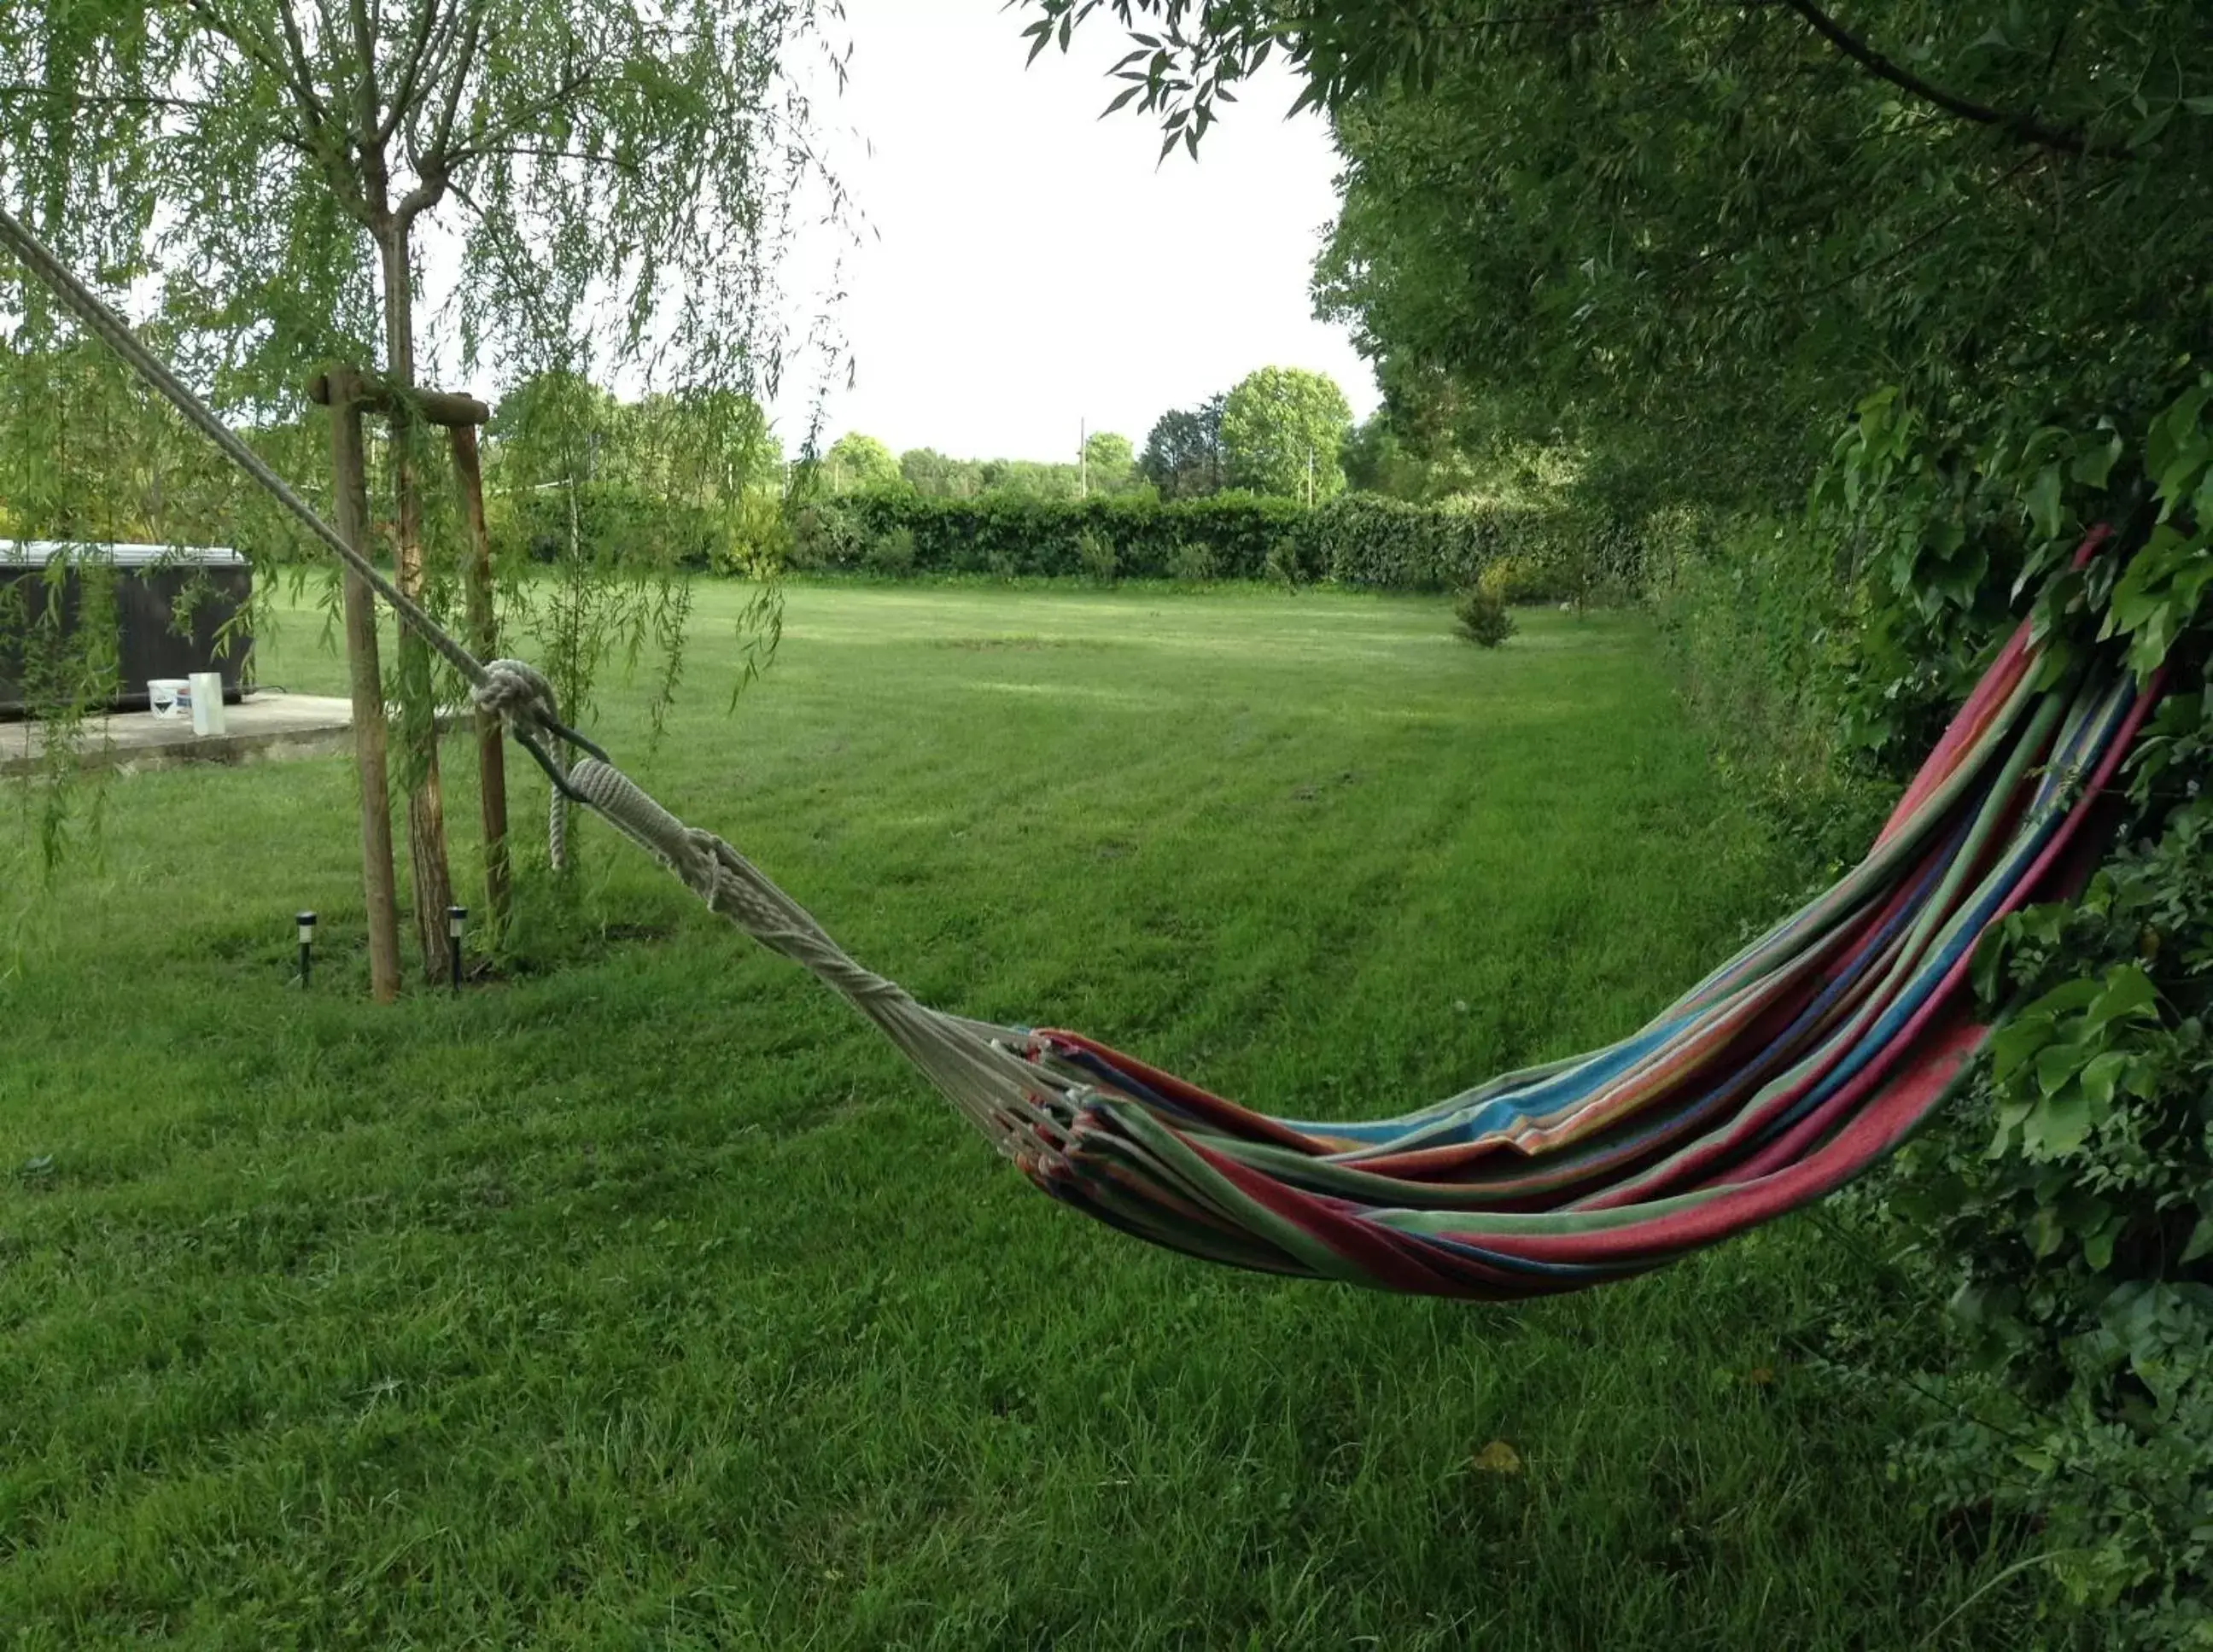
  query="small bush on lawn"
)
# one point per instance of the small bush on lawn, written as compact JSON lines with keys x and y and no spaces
{"x":1482,"y":619}
{"x":893,"y":554}
{"x":1192,"y":562}
{"x":1094,"y":553}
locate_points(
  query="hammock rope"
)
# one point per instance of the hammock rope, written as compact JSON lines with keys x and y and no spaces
{"x":1794,"y":1066}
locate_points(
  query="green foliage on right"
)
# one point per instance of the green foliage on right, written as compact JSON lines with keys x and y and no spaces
{"x":1941,"y":270}
{"x":2072,"y":1210}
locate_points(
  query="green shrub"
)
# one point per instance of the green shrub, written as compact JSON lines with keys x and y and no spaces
{"x":1762,"y":633}
{"x":893,"y":554}
{"x":1192,"y":562}
{"x":2069,"y":1197}
{"x":1481,"y":618}
{"x":1009,"y":536}
{"x":1095,"y":555}
{"x":1362,"y":540}
{"x":824,"y":538}
{"x":758,"y":536}
{"x":1353,"y":539}
{"x":2065,"y":1199}
{"x":1512,"y":578}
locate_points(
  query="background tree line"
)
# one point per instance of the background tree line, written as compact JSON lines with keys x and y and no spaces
{"x":1279,"y":433}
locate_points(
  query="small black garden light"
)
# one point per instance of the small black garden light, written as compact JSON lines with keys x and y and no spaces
{"x":457,"y":923}
{"x":307,"y":922}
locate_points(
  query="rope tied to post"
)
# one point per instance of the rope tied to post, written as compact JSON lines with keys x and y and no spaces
{"x":517,"y":693}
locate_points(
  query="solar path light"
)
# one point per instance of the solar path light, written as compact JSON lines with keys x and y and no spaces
{"x":457,"y":923}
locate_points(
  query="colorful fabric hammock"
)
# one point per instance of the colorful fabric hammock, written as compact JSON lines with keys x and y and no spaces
{"x":1792,"y":1068}
{"x":1789,"y":1070}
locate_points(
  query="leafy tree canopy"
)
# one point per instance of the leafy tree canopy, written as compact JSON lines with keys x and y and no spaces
{"x":614,"y":170}
{"x":935,"y":476}
{"x":1282,"y":429}
{"x":1110,"y":463}
{"x":1183,"y":453}
{"x":856,"y":462}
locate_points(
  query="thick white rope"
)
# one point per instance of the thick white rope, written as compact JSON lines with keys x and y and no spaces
{"x":984,"y":1070}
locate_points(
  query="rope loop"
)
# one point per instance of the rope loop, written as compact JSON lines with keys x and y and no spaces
{"x":513,"y":690}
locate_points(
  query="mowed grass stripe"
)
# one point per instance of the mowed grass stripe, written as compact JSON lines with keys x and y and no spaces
{"x":644,"y":1298}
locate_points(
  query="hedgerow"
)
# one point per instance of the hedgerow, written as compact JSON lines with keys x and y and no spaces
{"x":1354,"y":539}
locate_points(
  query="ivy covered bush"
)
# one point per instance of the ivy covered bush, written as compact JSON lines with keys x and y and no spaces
{"x":2068,"y":1202}
{"x":1009,"y":536}
{"x":2064,"y":1202}
{"x":1358,"y":540}
{"x":616,"y":522}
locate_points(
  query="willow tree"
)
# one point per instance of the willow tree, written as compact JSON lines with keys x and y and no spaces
{"x":593,"y":180}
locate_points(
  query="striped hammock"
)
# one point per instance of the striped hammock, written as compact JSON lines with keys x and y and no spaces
{"x":1793,"y":1067}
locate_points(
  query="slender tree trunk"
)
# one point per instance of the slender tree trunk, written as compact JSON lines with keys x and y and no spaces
{"x":419,"y":710}
{"x":484,"y":638}
{"x":350,"y":494}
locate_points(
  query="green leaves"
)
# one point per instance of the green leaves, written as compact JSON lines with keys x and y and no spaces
{"x":1283,"y":430}
{"x":2055,"y":1062}
{"x":2042,"y":502}
{"x":2158,"y":595}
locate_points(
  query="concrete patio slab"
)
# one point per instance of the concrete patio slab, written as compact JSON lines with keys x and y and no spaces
{"x":265,"y":727}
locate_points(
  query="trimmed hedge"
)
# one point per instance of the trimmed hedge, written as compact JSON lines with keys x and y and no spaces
{"x":1354,"y":540}
{"x":614,"y":522}
{"x":1367,"y":539}
{"x":1517,"y":553}
{"x":1012,"y":537}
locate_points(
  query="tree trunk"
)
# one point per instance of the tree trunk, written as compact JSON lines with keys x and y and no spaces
{"x":419,"y":710}
{"x":484,"y":638}
{"x":351,"y":494}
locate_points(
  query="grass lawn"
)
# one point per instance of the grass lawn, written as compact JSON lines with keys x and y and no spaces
{"x":641,"y":1297}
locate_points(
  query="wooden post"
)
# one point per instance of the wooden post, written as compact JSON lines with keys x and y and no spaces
{"x":358,"y":393}
{"x":350,"y":494}
{"x":484,"y":638}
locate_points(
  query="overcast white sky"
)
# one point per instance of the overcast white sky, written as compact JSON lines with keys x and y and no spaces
{"x":1026,"y":265}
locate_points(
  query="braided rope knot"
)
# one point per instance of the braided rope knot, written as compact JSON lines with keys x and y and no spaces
{"x":512,"y":688}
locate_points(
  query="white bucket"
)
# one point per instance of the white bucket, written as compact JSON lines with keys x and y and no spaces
{"x":169,"y":696}
{"x":207,"y":702}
